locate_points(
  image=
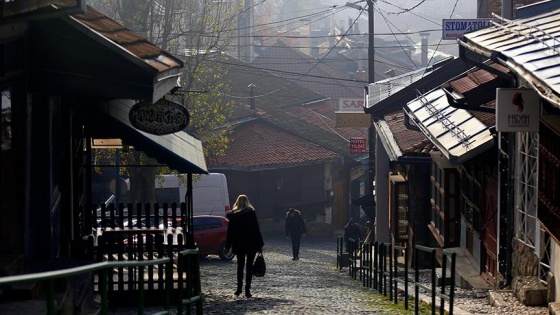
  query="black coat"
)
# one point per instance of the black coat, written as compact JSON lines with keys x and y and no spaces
{"x":295,"y":226}
{"x":244,"y":233}
{"x":352,"y":232}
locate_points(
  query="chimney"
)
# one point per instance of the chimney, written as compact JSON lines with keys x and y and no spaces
{"x":252,"y":95}
{"x":361,"y":76}
{"x":424,"y":46}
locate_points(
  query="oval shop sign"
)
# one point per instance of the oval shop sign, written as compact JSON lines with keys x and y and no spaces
{"x":160,"y":118}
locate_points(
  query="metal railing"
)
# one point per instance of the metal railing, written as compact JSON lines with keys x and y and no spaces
{"x":379,"y":269}
{"x":188,"y":273}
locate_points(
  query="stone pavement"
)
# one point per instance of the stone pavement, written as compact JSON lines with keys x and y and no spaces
{"x":313,"y":285}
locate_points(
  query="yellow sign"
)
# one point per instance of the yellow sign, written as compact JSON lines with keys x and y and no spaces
{"x":356,"y":172}
{"x":352,"y":119}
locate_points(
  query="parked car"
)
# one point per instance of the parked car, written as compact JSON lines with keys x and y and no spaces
{"x":210,"y":233}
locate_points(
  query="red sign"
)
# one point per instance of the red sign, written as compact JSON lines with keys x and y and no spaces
{"x":358,"y":145}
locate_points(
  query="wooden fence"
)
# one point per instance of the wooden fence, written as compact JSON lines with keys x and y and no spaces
{"x":140,"y":233}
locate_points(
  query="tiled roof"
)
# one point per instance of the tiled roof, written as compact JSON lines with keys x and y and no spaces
{"x":410,"y":142}
{"x":289,"y":63}
{"x":153,"y":56}
{"x":269,"y":90}
{"x":90,"y":55}
{"x":258,"y":144}
{"x":477,"y":89}
{"x":289,"y":106}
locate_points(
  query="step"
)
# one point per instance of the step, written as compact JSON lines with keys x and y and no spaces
{"x":466,"y":275}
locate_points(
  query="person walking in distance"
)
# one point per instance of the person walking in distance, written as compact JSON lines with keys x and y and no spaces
{"x":352,"y":235}
{"x":244,"y":238}
{"x":295,"y":228}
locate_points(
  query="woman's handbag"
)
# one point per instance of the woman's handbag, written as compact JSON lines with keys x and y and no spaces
{"x":259,"y":267}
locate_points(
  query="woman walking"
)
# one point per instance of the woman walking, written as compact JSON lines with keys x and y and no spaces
{"x":244,"y":239}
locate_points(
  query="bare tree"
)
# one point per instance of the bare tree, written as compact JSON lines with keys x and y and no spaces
{"x":195,"y":31}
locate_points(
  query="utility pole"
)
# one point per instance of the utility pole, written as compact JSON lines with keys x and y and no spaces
{"x":371,"y":46}
{"x":371,"y":79}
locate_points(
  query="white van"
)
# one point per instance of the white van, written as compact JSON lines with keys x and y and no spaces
{"x":210,"y":193}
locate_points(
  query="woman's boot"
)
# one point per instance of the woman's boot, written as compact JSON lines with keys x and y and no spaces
{"x":248,"y":288}
{"x":239,"y":288}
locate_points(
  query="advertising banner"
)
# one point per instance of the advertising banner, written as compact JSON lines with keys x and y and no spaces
{"x":455,"y":28}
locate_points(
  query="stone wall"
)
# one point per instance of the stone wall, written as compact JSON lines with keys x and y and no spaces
{"x":526,"y":284}
{"x":525,"y":262}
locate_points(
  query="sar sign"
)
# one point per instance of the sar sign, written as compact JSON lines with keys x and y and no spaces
{"x":160,"y":118}
{"x":351,"y":105}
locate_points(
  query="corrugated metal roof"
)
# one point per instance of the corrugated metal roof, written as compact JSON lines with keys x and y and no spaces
{"x":530,"y":47}
{"x":385,"y":99}
{"x":457,"y":133}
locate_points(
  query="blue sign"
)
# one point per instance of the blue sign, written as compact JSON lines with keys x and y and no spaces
{"x":455,"y":28}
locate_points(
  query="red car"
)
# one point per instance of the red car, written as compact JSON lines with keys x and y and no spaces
{"x":210,"y":233}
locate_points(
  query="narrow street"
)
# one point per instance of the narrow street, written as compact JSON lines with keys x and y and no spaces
{"x":311,"y":285}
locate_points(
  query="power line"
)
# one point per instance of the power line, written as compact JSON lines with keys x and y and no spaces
{"x":450,"y":16}
{"x":299,"y":75}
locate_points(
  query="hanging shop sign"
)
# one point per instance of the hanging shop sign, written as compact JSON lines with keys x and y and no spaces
{"x":351,"y":104}
{"x":517,"y":110}
{"x":352,"y":119}
{"x":160,"y":118}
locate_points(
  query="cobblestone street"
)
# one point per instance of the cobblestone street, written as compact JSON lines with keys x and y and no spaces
{"x":311,"y":285}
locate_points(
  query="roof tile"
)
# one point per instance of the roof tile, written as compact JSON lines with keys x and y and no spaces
{"x":128,"y":40}
{"x":410,"y":142}
{"x":260,"y":144}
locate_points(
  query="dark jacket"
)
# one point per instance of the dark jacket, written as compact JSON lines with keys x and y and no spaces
{"x":295,"y":226}
{"x":352,"y":232}
{"x":244,"y":233}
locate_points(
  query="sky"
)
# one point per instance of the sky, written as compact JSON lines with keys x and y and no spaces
{"x":401,"y":16}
